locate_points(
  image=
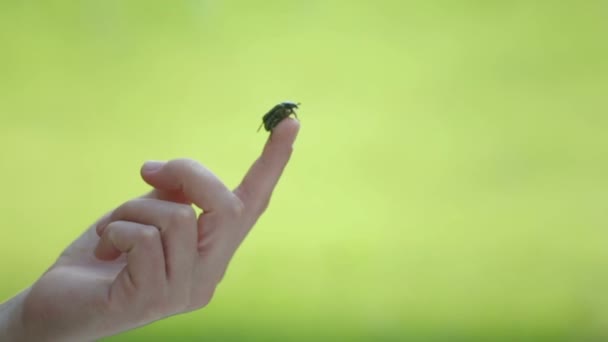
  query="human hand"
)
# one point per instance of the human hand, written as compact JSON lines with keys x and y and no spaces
{"x":152,"y":257}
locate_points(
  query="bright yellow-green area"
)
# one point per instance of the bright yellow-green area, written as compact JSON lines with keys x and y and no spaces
{"x":450,"y":181}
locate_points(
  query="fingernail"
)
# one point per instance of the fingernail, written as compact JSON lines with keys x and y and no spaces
{"x":152,"y":166}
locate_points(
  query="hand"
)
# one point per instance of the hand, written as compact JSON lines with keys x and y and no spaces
{"x":151,"y":257}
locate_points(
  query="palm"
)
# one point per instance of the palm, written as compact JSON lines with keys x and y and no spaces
{"x":75,"y":289}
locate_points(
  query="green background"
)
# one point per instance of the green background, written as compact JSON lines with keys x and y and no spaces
{"x":450,"y":180}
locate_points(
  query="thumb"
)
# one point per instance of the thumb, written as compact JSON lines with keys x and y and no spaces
{"x":152,"y":166}
{"x":150,"y":174}
{"x":190,"y":180}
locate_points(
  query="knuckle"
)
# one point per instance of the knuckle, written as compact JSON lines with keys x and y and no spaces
{"x":158,"y":306}
{"x":177,"y":306}
{"x":181,"y":301}
{"x":263,"y":205}
{"x":182,"y":164}
{"x":285,"y":151}
{"x":235,"y":207}
{"x":122,"y":210}
{"x":193,"y":163}
{"x":166,"y":303}
{"x":204,"y":297}
{"x":148,"y":234}
{"x":111,"y":227}
{"x":182,"y":215}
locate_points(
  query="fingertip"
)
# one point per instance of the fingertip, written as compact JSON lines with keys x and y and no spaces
{"x":150,"y":171}
{"x":105,"y":251}
{"x":151,"y":166}
{"x":285,"y":133}
{"x":102,"y":223}
{"x":99,"y":229}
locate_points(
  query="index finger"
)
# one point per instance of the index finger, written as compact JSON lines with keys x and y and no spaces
{"x":259,"y":182}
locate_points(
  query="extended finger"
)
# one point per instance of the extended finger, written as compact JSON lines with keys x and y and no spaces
{"x":259,"y":182}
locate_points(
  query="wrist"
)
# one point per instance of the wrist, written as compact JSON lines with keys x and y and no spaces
{"x":11,"y":323}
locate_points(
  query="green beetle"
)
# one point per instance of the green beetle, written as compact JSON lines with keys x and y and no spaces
{"x":277,"y":114}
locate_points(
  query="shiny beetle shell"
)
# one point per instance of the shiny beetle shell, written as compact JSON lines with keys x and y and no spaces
{"x":279,"y":112}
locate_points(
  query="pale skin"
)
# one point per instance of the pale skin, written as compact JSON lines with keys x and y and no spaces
{"x":151,"y":257}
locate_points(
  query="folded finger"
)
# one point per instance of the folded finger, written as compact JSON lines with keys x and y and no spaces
{"x":178,"y":226}
{"x":143,"y":247}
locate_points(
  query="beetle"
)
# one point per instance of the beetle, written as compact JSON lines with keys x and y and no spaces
{"x":279,"y":112}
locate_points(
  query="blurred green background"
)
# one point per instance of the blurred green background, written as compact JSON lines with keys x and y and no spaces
{"x":450,"y":180}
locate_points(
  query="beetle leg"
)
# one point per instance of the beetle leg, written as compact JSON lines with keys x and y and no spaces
{"x":262,"y":124}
